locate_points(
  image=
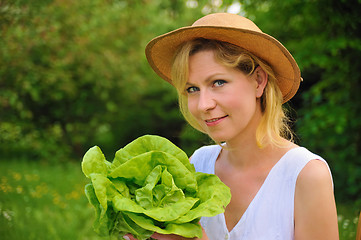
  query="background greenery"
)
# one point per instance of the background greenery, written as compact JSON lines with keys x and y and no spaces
{"x":73,"y":75}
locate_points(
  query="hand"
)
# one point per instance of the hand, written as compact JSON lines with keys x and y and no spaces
{"x":168,"y":237}
{"x":160,"y":237}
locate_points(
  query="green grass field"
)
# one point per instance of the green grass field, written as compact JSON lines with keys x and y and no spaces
{"x":43,"y":201}
{"x":47,"y":201}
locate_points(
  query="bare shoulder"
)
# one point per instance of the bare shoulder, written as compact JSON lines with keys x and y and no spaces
{"x":315,"y":208}
{"x":314,"y":185}
{"x":315,"y":172}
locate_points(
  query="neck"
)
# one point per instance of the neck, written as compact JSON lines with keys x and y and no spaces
{"x":247,"y":154}
{"x":242,"y":154}
{"x":243,"y":150}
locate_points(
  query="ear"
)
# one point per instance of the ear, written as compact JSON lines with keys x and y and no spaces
{"x":261,"y":80}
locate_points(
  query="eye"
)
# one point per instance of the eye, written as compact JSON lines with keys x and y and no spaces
{"x":219,"y":83}
{"x":192,"y":89}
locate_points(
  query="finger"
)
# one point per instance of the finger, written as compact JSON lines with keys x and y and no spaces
{"x":168,"y":237}
{"x":129,"y":237}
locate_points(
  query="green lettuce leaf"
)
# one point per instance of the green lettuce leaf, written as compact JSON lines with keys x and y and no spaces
{"x":150,"y":186}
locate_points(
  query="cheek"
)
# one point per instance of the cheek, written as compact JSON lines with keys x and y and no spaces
{"x":192,"y":106}
{"x":241,"y":101}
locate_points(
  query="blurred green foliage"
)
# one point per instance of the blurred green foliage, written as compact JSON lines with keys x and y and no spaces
{"x":44,"y":201}
{"x":73,"y":74}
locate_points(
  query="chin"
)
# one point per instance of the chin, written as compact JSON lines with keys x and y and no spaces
{"x":219,"y":135}
{"x":217,"y":138}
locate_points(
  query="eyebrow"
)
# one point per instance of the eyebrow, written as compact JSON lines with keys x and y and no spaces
{"x":188,"y":84}
{"x":208,"y":79}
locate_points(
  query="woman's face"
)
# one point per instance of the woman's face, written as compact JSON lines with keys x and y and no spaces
{"x":222,"y":99}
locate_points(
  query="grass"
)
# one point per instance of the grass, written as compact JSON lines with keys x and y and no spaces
{"x":347,"y":221}
{"x":47,"y":201}
{"x":43,"y":201}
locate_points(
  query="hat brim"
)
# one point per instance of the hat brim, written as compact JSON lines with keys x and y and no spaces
{"x":160,"y":52}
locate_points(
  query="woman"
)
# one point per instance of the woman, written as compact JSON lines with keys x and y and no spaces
{"x":232,"y":80}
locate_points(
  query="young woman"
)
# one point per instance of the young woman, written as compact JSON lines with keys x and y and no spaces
{"x":232,"y":80}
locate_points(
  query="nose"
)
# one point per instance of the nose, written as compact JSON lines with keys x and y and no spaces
{"x":206,"y":101}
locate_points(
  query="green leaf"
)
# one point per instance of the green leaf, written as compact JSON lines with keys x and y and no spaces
{"x":101,"y":221}
{"x":147,"y":144}
{"x":214,"y":197}
{"x":139,"y":167}
{"x":125,"y":225}
{"x":94,"y":162}
{"x":188,"y":230}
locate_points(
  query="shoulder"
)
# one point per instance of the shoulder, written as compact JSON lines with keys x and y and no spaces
{"x":314,"y":175}
{"x":314,"y":178}
{"x":204,"y":158}
{"x":315,"y":210}
{"x":206,"y":151}
{"x":314,"y":171}
{"x":299,"y":164}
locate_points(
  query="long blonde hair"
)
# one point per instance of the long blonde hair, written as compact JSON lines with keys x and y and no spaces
{"x":273,"y":127}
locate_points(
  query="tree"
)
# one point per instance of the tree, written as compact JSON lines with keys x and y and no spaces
{"x":73,"y":74}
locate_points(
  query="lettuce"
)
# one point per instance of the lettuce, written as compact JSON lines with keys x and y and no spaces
{"x":150,"y":187}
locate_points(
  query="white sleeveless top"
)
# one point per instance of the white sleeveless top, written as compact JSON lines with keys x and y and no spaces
{"x":270,"y":215}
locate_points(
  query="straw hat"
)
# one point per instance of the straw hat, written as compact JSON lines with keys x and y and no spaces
{"x":234,"y":29}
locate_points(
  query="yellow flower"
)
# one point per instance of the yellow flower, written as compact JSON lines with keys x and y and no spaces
{"x":16,"y":176}
{"x":32,"y":177}
{"x":4,"y":185}
{"x":72,"y":195}
{"x":19,"y":189}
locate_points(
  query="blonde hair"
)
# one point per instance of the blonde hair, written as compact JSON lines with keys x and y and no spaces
{"x":273,"y":127}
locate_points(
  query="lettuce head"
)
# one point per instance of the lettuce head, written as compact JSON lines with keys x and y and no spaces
{"x":150,"y":187}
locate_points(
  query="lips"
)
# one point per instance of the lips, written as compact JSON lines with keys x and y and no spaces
{"x":214,"y":121}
